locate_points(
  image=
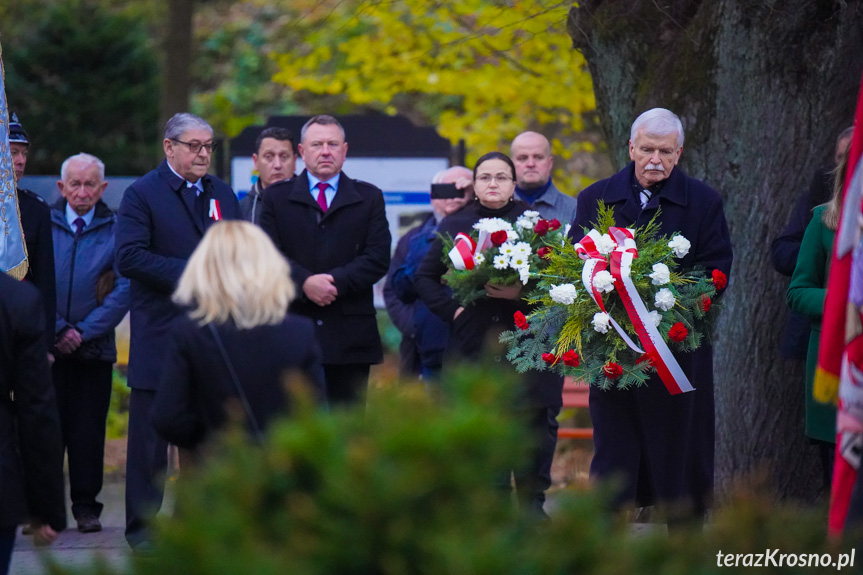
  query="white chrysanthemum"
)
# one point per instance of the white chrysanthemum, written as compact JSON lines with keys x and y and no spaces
{"x":524,"y":223}
{"x":492,"y":225}
{"x":507,"y":249}
{"x":522,"y":249}
{"x":661,"y":275}
{"x":605,"y":245}
{"x":655,"y":317}
{"x":500,"y":262}
{"x":518,"y":261}
{"x":524,"y":274}
{"x":511,"y":235}
{"x":680,"y":246}
{"x":603,"y":281}
{"x":564,"y":294}
{"x":531,"y":214}
{"x":664,"y":299}
{"x":479,"y":259}
{"x":601,"y":322}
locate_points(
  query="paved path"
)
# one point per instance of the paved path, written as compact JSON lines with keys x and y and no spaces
{"x":74,"y":549}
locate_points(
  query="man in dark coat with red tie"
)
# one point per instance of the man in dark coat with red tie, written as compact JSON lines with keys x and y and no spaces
{"x":334,"y":232}
{"x":661,"y":446}
{"x":162,"y":217}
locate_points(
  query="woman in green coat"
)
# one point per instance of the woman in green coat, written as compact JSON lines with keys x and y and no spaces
{"x":806,"y":296}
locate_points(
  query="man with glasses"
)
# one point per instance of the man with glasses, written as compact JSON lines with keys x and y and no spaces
{"x":162,"y":217}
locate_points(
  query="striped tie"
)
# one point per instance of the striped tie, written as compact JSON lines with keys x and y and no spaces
{"x":645,"y":197}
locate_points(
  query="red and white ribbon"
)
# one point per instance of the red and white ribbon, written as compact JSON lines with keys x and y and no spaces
{"x":464,"y":250}
{"x":621,"y":258}
{"x":215,"y":211}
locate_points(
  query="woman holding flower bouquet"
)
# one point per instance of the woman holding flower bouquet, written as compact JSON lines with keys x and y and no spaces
{"x":487,"y":281}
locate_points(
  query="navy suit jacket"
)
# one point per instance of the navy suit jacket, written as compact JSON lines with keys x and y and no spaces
{"x":351,"y":242}
{"x":156,"y":232}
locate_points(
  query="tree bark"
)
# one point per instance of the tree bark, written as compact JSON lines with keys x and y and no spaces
{"x":762,"y":89}
{"x":177,"y":58}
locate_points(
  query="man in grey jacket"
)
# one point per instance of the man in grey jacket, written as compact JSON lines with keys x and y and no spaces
{"x":275,"y":160}
{"x":531,"y":154}
{"x":92,"y":298}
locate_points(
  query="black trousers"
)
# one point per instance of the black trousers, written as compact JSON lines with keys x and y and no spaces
{"x":146,"y":462}
{"x":533,"y":476}
{"x":83,"y":396}
{"x":346,"y":383}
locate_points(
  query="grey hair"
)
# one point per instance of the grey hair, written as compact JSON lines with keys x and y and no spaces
{"x":438,"y":177}
{"x":90,"y":159}
{"x":183,"y":122}
{"x":658,"y":122}
{"x":323,"y":120}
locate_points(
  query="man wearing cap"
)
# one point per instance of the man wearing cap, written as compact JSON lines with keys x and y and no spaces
{"x":36,"y":225}
{"x":162,"y":218}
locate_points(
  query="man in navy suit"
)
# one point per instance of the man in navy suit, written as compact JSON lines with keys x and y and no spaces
{"x":162,"y":217}
{"x":333,"y":230}
{"x":660,"y":446}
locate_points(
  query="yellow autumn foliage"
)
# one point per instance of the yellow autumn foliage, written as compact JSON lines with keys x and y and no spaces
{"x":481,"y":71}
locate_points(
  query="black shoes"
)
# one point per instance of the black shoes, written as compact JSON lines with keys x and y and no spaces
{"x":89,"y":524}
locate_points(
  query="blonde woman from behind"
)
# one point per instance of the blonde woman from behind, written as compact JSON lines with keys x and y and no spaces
{"x":237,"y":345}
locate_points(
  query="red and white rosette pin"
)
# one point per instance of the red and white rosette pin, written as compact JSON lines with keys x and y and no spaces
{"x":215,"y":210}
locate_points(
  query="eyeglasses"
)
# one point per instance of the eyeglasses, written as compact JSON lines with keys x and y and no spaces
{"x":500,"y":179}
{"x":195,"y":147}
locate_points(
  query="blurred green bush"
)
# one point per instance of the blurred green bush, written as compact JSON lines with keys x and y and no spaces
{"x":411,"y":485}
{"x":117,"y":426}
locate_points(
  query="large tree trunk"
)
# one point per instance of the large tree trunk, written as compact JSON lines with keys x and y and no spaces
{"x":762,"y":88}
{"x":177,"y":46}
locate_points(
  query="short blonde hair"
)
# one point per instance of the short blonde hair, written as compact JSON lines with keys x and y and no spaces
{"x":236,"y":273}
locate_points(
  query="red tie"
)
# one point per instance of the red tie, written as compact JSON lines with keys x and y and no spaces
{"x":322,"y":197}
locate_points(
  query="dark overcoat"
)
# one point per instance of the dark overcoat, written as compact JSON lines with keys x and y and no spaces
{"x":662,"y":445}
{"x":476,"y":330}
{"x":31,"y":447}
{"x":196,"y":385}
{"x":156,"y":232}
{"x":36,"y":225}
{"x":351,"y":242}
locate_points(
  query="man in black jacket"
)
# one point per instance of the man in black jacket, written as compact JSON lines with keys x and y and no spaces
{"x":334,"y":232}
{"x":275,"y":160}
{"x":36,"y":225}
{"x":31,"y":451}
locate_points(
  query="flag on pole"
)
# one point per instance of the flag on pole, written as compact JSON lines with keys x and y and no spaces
{"x":13,"y":253}
{"x":839,"y":375}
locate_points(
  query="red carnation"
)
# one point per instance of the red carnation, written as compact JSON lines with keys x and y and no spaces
{"x":520,"y":320}
{"x":612,"y":370}
{"x":720,"y":280}
{"x":705,"y":303}
{"x":570,"y":358}
{"x":544,"y":252}
{"x":678,"y":332}
{"x":648,"y":357}
{"x":541,"y":228}
{"x":499,"y":237}
{"x":549,"y":358}
{"x":554,"y":224}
